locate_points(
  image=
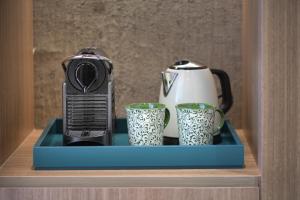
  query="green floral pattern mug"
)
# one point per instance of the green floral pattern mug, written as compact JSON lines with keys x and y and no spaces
{"x":196,"y":123}
{"x":146,"y":123}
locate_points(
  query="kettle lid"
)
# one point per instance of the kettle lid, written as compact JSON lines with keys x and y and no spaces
{"x":187,"y":65}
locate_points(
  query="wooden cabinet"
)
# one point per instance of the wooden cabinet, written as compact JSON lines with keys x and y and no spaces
{"x":271,"y":108}
{"x":19,"y":181}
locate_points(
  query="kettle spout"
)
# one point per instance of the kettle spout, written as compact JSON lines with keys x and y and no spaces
{"x":168,"y":79}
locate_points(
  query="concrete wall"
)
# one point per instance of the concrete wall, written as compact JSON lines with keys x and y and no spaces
{"x":141,"y":37}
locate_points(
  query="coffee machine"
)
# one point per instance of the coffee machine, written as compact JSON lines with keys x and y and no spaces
{"x":88,"y":99}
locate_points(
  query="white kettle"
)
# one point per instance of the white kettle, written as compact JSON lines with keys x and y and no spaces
{"x":187,"y":82}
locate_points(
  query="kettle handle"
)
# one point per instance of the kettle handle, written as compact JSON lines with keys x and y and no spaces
{"x":227,"y":99}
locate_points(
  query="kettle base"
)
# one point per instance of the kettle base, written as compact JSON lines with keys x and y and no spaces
{"x":217,"y":139}
{"x":171,"y":141}
{"x":175,"y":141}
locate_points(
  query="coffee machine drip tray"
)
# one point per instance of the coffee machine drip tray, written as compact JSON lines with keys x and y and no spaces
{"x":86,"y":137}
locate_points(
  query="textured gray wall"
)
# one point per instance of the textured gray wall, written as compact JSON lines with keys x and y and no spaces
{"x":141,"y":37}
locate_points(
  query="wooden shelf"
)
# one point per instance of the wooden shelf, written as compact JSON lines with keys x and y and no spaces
{"x":17,"y":171}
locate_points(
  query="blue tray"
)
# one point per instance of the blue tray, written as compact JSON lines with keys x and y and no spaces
{"x":49,"y":152}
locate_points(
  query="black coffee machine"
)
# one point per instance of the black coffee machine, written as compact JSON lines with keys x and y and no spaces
{"x":88,"y":99}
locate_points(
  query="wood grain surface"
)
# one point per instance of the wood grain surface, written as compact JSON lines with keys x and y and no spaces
{"x":17,"y":172}
{"x":281,"y":100}
{"x":16,"y":74}
{"x":250,"y":193}
{"x":251,"y":73}
{"x":271,"y":63}
{"x":219,"y":193}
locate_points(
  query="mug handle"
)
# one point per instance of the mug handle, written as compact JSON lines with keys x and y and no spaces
{"x":167,"y":117}
{"x":221,"y":113}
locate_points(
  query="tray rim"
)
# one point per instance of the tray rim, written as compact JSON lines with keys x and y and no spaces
{"x":52,"y":122}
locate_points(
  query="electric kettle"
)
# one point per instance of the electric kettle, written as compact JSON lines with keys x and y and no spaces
{"x":188,"y":82}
